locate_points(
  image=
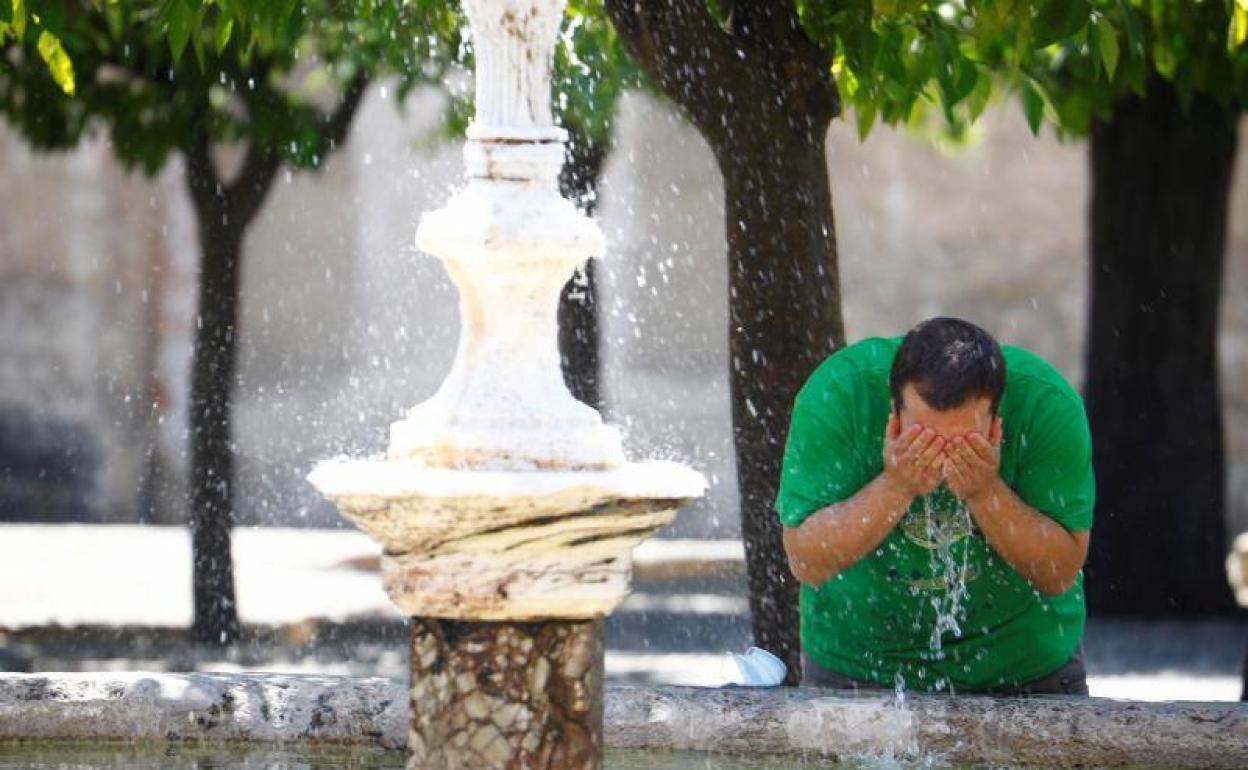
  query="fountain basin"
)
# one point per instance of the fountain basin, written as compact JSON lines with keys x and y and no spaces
{"x":505,"y":544}
{"x":266,"y":710}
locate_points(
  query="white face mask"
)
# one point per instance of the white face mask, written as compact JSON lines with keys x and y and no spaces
{"x":756,"y":668}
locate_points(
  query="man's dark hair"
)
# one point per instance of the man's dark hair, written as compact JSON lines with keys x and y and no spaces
{"x":948,"y":361}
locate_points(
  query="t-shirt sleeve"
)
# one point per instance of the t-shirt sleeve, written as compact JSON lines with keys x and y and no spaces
{"x":1055,"y":470}
{"x":820,"y":466}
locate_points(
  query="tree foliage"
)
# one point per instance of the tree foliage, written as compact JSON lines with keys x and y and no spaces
{"x":129,"y":64}
{"x":152,"y":71}
{"x":1068,"y":60}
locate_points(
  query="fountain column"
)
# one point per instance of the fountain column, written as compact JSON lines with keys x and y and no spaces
{"x":506,"y":508}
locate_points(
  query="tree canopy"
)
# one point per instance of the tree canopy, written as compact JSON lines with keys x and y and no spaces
{"x":894,"y":61}
{"x":1069,"y":60}
{"x":254,"y":72}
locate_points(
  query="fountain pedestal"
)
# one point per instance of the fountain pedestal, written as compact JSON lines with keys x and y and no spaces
{"x":499,"y":694}
{"x":506,"y":508}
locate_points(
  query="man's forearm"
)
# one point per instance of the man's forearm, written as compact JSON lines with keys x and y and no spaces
{"x":836,"y":537}
{"x":1045,"y":553}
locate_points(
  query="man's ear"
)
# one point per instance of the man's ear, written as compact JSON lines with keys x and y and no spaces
{"x":994,"y":432}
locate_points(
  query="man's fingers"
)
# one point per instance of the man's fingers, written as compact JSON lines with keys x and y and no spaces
{"x":916,"y":446}
{"x":932,"y":449}
{"x":958,"y":457}
{"x":892,"y":431}
{"x":906,"y":439}
{"x":986,"y":452}
{"x":966,"y":453}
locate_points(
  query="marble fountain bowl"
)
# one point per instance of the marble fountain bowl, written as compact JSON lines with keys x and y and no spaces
{"x":514,"y":545}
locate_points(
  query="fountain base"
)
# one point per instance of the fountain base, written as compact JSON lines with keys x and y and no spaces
{"x":506,"y":695}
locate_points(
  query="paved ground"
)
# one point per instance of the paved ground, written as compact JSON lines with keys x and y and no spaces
{"x":76,"y":597}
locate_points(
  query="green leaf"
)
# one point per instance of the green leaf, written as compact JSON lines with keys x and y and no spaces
{"x":1238,"y":31}
{"x":1058,"y":19}
{"x":865,"y":114}
{"x":1074,"y":111}
{"x":59,"y":65}
{"x":896,"y":7}
{"x":224,"y":28}
{"x":19,"y":18}
{"x":197,"y":46}
{"x":197,"y":39}
{"x":846,"y":80}
{"x":1135,"y":34}
{"x":114,"y":17}
{"x":978,"y":99}
{"x":1033,"y":105}
{"x":181,"y":18}
{"x":1163,"y":58}
{"x":1107,"y":43}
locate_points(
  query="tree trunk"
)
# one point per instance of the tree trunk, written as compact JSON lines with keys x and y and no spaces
{"x":785,"y":318}
{"x":578,"y":303}
{"x":223,"y":211}
{"x":1161,"y":179}
{"x":762,"y":94}
{"x":212,"y":453}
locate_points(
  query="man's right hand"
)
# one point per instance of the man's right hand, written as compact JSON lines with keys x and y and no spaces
{"x":913,"y":459}
{"x":835,"y":537}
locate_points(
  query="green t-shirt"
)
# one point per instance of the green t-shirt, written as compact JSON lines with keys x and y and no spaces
{"x":878,"y":619}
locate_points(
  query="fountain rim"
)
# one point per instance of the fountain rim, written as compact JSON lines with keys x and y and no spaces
{"x":399,"y":478}
{"x":798,"y":722}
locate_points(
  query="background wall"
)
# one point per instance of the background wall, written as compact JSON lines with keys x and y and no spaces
{"x":345,"y":325}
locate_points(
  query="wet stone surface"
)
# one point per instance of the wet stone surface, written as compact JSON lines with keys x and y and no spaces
{"x":506,"y":695}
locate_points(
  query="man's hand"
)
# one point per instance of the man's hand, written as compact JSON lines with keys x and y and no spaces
{"x":1046,"y":554}
{"x":972,"y":463}
{"x":913,"y":459}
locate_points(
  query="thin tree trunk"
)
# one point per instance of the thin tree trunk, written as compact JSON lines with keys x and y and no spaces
{"x":578,"y":304}
{"x":1161,"y":180}
{"x":212,"y":454}
{"x":223,"y":212}
{"x":785,"y":318}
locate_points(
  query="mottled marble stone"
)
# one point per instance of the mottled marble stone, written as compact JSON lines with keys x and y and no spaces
{"x":506,"y":696}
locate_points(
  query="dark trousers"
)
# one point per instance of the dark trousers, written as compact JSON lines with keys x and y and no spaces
{"x":1070,"y":679}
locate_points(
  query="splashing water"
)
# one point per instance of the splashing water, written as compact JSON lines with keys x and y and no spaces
{"x":949,"y":574}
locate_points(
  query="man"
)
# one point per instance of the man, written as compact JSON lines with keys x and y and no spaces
{"x":937,"y":499}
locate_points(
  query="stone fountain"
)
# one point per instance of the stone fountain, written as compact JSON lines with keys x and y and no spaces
{"x":506,"y":508}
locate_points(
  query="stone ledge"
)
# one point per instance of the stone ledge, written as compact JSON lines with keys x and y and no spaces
{"x":277,"y":708}
{"x":1049,"y":731}
{"x":272,"y":708}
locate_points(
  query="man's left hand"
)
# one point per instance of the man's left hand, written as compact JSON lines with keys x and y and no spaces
{"x":973,"y":461}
